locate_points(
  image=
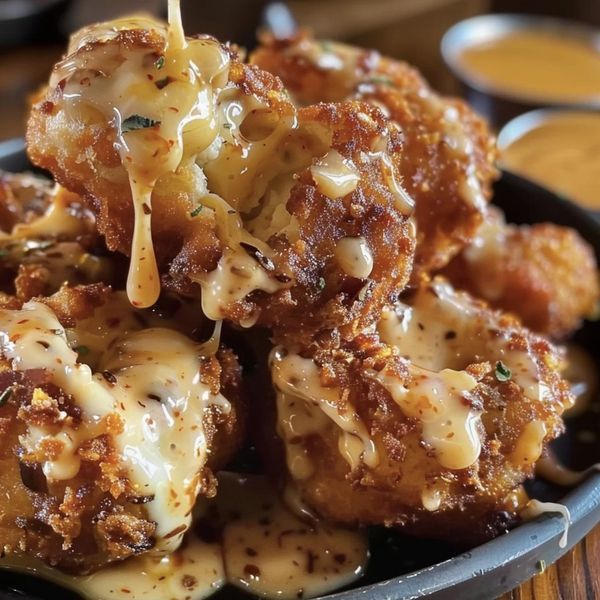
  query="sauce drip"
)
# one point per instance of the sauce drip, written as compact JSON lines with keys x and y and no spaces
{"x":537,"y":65}
{"x":305,"y":406}
{"x":563,"y":153}
{"x":264,"y":549}
{"x":535,"y":508}
{"x":152,"y":139}
{"x":153,"y":387}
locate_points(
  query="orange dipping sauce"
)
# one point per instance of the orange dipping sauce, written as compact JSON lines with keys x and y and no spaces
{"x":536,"y":65}
{"x":561,"y":152}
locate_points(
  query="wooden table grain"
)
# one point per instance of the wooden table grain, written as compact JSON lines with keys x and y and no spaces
{"x":576,"y":576}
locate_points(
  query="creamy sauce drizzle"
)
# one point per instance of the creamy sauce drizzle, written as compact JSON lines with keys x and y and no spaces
{"x":441,"y":333}
{"x":535,"y":508}
{"x":305,"y":407}
{"x":153,"y":386}
{"x":335,"y":175}
{"x":263,"y":548}
{"x":354,"y":256}
{"x":158,"y":127}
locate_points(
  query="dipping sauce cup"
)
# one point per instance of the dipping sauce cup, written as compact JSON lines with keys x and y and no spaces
{"x":509,"y":64}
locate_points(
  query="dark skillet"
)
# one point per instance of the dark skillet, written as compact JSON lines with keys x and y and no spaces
{"x":402,"y":567}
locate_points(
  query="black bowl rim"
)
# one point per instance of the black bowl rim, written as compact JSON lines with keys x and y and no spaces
{"x":513,"y":557}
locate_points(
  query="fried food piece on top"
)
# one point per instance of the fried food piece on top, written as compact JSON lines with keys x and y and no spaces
{"x":88,"y":386}
{"x":433,"y":427}
{"x":447,"y":157}
{"x":248,"y":204}
{"x":544,"y":273}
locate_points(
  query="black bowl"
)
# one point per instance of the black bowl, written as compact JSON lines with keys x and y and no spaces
{"x":402,"y":567}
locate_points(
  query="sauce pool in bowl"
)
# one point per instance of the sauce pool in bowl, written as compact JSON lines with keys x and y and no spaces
{"x":537,"y":65}
{"x":558,"y":149}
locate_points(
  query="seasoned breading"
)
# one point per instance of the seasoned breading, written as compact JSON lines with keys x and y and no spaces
{"x":544,"y":273}
{"x":254,"y":219}
{"x":446,"y":159}
{"x":72,"y":495}
{"x":432,"y":424}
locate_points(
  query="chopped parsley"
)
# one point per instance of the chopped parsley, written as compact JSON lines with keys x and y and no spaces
{"x":502,"y":372}
{"x":326,"y":46}
{"x":321,"y":283}
{"x":160,"y":62}
{"x":196,"y":211}
{"x":81,"y":350}
{"x":135,"y":122}
{"x":5,"y":395}
{"x":3,"y":252}
{"x":380,"y":79}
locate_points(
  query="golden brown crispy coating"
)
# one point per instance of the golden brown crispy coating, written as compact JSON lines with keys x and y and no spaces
{"x":424,"y":431}
{"x":325,"y":296}
{"x":98,"y":513}
{"x":544,"y":273}
{"x":264,"y":250}
{"x":48,"y":238}
{"x":446,"y":159}
{"x":22,"y":197}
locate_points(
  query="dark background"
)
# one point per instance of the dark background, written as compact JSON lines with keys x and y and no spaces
{"x":33,"y":33}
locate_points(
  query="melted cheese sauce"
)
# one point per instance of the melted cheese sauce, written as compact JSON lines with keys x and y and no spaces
{"x":147,"y":379}
{"x":305,"y":406}
{"x":335,"y":175}
{"x":440,"y":401}
{"x":441,"y":333}
{"x":538,"y":65}
{"x":158,"y":126}
{"x":354,"y":256}
{"x":264,"y":549}
{"x":563,"y":153}
{"x":535,"y":508}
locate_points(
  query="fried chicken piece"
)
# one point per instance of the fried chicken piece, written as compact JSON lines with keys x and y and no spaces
{"x":23,"y":196}
{"x":446,"y":160}
{"x":544,"y":273}
{"x":48,"y":238}
{"x":251,"y":198}
{"x":432,"y":425}
{"x":108,"y":434}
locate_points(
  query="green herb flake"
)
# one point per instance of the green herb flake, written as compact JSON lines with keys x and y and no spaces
{"x":380,"y":79}
{"x":196,"y":211}
{"x":160,"y":62}
{"x":502,"y":372}
{"x":3,"y":252}
{"x":135,"y":122}
{"x":81,"y":350}
{"x":321,"y":283}
{"x":5,"y":395}
{"x":326,"y":46}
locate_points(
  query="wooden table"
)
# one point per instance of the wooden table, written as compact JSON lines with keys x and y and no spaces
{"x":575,"y":577}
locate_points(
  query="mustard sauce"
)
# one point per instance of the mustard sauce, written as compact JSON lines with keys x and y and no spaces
{"x":562,"y":153}
{"x":537,"y":65}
